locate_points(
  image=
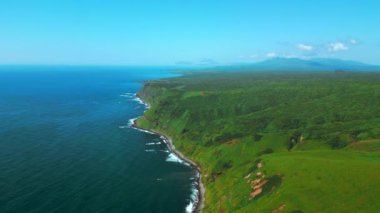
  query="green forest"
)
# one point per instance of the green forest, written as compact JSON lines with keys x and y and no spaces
{"x":275,"y":141}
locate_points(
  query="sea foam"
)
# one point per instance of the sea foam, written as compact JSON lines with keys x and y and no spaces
{"x":190,"y":207}
{"x":131,"y":121}
{"x":128,"y":95}
{"x":143,"y":130}
{"x":151,"y":144}
{"x":134,"y":97}
{"x":193,"y":197}
{"x":174,"y":158}
{"x":147,"y":106}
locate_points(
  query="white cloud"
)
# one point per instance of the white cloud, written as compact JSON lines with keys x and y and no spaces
{"x":292,"y":56}
{"x":337,"y":46}
{"x":271,"y":55}
{"x":305,"y":47}
{"x":354,"y":41}
{"x":253,"y":56}
{"x":208,"y":61}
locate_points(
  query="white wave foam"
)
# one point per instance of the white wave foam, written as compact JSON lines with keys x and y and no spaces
{"x":151,"y":144}
{"x":149,"y":150}
{"x":193,"y":198}
{"x":147,"y":106}
{"x":165,"y":140}
{"x":174,"y":158}
{"x":139,"y":100}
{"x":132,"y":121}
{"x":128,"y":95}
{"x":123,"y":127}
{"x":134,"y":97}
{"x":190,"y":207}
{"x":194,"y":192}
{"x":143,"y":130}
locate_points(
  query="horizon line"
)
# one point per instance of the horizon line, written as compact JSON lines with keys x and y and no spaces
{"x":179,"y":64}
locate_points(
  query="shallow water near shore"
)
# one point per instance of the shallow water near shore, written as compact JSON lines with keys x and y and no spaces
{"x":66,"y":144}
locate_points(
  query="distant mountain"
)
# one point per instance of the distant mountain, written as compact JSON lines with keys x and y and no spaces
{"x":296,"y":64}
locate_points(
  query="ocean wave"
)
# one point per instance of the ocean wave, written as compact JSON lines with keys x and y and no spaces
{"x":190,"y":207}
{"x":128,"y":95}
{"x":140,"y":101}
{"x":164,"y":139}
{"x":151,"y":144}
{"x":174,"y":158}
{"x":143,"y":130}
{"x":132,"y":121}
{"x":149,"y":150}
{"x":134,"y":97}
{"x":123,"y":127}
{"x":193,"y":198}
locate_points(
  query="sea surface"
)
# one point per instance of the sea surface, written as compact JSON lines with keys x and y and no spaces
{"x":66,"y":144}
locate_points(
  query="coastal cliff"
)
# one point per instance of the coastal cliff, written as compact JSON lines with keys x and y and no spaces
{"x":264,"y":141}
{"x":142,"y":123}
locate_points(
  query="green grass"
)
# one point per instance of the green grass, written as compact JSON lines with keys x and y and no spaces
{"x":317,"y":136}
{"x":324,"y":181}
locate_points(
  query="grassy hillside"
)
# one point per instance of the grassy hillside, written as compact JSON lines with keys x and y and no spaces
{"x":272,"y":142}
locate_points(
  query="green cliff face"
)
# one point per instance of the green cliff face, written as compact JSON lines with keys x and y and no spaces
{"x":271,"y":142}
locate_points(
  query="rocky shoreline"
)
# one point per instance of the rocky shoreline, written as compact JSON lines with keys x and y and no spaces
{"x":200,"y":187}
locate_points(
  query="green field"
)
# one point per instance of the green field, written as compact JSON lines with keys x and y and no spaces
{"x":308,"y":142}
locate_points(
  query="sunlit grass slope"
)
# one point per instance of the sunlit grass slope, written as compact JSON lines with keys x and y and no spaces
{"x":272,"y":142}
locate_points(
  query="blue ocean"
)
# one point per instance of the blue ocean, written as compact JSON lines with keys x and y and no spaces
{"x":66,"y":144}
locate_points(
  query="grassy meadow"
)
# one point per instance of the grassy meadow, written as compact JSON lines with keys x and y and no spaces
{"x":275,"y":142}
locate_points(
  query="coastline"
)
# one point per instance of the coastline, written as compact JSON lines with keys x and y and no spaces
{"x":199,"y":204}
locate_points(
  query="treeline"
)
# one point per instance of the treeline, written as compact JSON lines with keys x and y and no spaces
{"x":215,"y":108}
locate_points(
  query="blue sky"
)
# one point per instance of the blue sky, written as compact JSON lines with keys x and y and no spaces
{"x":169,"y":32}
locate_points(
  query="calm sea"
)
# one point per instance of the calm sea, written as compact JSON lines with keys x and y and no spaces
{"x":66,"y":145}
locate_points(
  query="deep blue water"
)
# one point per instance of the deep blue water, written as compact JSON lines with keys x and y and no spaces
{"x":65,"y":144}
